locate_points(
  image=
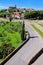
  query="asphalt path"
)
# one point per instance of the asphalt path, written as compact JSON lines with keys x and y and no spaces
{"x":24,"y":55}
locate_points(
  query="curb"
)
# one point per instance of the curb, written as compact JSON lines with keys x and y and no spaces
{"x":35,"y":57}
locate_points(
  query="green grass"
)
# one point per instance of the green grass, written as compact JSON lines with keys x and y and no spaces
{"x":1,"y":60}
{"x":40,"y":32}
{"x":15,"y":39}
{"x":41,"y":25}
{"x":11,"y":33}
{"x":14,"y":35}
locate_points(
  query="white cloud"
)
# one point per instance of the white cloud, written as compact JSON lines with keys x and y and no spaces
{"x":3,"y":7}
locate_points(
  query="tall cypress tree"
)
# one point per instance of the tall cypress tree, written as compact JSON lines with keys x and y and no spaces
{"x":23,"y":31}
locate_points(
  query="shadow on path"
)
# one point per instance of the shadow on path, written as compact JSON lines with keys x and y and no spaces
{"x":33,"y":36}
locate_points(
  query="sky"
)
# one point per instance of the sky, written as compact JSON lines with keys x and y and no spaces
{"x":35,"y":4}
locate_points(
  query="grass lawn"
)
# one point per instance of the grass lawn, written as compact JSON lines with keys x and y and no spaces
{"x":1,"y":60}
{"x":41,"y":25}
{"x":10,"y":33}
{"x":40,"y":32}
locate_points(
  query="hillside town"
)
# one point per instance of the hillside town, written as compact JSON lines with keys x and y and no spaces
{"x":16,"y":13}
{"x":21,"y":32}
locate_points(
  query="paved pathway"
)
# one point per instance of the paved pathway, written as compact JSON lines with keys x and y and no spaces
{"x":23,"y":56}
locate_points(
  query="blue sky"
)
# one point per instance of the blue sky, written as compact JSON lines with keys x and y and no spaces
{"x":35,"y":4}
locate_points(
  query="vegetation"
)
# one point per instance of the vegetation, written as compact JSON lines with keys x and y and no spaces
{"x":23,"y":32}
{"x":5,"y":49}
{"x":34,"y":14}
{"x":41,"y":25}
{"x":40,"y":32}
{"x":10,"y":37}
{"x":10,"y":19}
{"x":12,"y":11}
{"x":3,"y":13}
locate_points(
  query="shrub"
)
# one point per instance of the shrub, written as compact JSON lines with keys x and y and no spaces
{"x":5,"y":49}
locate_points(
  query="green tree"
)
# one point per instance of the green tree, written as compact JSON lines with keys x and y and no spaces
{"x":23,"y":32}
{"x":12,"y":10}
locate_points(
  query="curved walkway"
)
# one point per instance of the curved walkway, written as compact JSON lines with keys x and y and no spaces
{"x":23,"y":56}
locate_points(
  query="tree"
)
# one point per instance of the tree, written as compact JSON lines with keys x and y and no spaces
{"x":10,"y":18}
{"x":34,"y":14}
{"x":12,"y":11}
{"x":23,"y":32}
